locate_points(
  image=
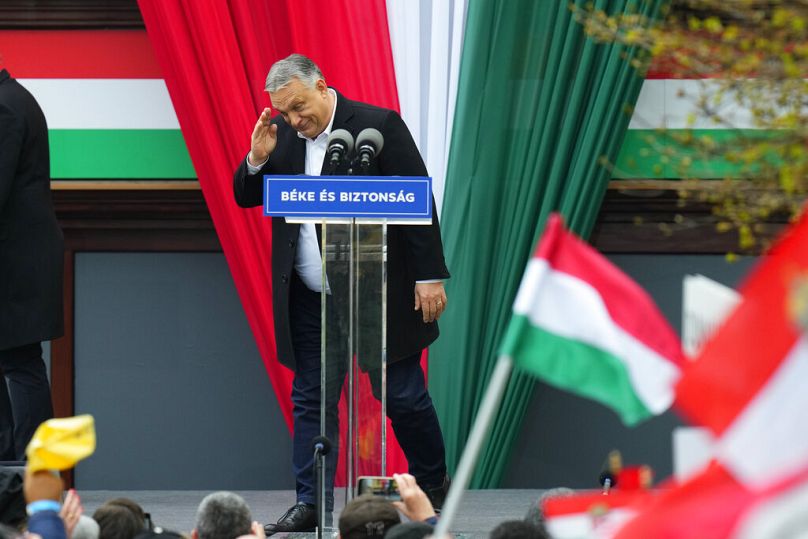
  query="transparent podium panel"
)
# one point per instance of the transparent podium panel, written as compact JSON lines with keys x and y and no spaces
{"x":353,"y":376}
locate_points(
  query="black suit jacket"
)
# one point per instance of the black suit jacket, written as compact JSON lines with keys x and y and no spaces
{"x":415,"y":253}
{"x":31,"y":243}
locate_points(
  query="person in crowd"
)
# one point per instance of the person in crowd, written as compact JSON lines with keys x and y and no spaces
{"x":133,"y":507}
{"x":12,"y":499}
{"x":31,"y":268}
{"x":518,"y":529}
{"x":43,"y":491}
{"x":367,"y":517}
{"x":46,"y":516}
{"x":86,"y":528}
{"x":160,"y":533}
{"x":120,"y":518}
{"x":295,"y":142}
{"x":8,"y":532}
{"x":535,"y":514}
{"x":370,"y":516}
{"x":415,"y":504}
{"x":409,"y":530}
{"x":47,"y":525}
{"x":224,"y":515}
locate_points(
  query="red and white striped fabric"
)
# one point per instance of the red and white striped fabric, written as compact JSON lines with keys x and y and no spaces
{"x":103,"y":93}
{"x":747,"y":387}
{"x":747,"y":384}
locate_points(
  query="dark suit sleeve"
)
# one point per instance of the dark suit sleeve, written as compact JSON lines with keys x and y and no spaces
{"x":400,"y":157}
{"x":249,"y":188}
{"x":11,"y":135}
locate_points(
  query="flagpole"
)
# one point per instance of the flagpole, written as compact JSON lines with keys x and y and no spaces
{"x":479,"y":431}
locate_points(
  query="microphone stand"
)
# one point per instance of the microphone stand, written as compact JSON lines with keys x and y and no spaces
{"x":357,"y":163}
{"x":319,"y":478}
{"x":321,"y":446}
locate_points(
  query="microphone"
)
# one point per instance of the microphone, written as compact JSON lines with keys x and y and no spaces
{"x":321,"y":444}
{"x":608,"y":481}
{"x":369,"y":145}
{"x":610,"y":472}
{"x":340,"y":144}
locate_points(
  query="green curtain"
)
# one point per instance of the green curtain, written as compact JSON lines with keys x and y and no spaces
{"x":539,"y":106}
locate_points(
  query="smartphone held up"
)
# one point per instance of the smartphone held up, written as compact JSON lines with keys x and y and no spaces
{"x":377,"y":485}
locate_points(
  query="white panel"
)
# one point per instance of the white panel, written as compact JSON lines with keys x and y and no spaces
{"x":435,"y":96}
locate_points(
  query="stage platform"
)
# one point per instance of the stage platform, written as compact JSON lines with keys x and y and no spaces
{"x":480,"y":511}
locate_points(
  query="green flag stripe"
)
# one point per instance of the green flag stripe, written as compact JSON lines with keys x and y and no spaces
{"x":574,"y":366}
{"x":119,"y":153}
{"x":641,"y":153}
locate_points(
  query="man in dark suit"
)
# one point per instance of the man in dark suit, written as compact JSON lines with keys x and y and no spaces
{"x":31,"y":264}
{"x":295,"y":143}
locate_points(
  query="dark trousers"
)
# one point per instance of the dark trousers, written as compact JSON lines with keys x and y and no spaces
{"x":409,"y":405}
{"x":25,"y":398}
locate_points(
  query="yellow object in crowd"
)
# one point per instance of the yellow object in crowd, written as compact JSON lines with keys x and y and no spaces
{"x":58,"y":444}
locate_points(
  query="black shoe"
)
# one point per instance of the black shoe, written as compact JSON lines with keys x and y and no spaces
{"x":437,"y":495}
{"x":301,"y":517}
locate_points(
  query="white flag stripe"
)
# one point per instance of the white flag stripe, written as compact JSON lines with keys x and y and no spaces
{"x":779,"y":516}
{"x":145,"y":103}
{"x":573,"y":526}
{"x":572,"y":308}
{"x":104,"y":103}
{"x":669,"y":102}
{"x":768,"y":441}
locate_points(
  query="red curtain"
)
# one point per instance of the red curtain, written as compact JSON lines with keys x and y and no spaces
{"x":214,"y":55}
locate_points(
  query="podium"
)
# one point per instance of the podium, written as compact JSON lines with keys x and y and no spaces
{"x":352,"y":215}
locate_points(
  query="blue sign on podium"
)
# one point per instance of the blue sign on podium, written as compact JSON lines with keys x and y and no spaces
{"x":371,"y":197}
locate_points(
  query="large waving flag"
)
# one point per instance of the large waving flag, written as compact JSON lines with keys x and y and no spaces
{"x":747,"y":386}
{"x":583,"y":325}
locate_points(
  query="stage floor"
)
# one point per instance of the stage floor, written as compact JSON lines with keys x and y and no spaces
{"x":480,"y":510}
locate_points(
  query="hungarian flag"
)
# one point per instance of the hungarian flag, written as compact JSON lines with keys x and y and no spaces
{"x":583,"y":325}
{"x":590,"y":513}
{"x":748,"y":387}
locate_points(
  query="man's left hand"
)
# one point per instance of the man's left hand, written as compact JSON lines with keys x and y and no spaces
{"x":430,"y":299}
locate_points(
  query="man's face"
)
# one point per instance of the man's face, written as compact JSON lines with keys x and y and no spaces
{"x":307,"y":110}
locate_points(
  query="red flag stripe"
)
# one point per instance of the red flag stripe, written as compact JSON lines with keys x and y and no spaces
{"x":623,"y":298}
{"x":753,"y":342}
{"x":594,"y":501}
{"x":707,"y":507}
{"x":711,"y":505}
{"x":74,"y":54}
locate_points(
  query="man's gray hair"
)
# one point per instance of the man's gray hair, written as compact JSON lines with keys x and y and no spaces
{"x":294,"y":66}
{"x":223,"y":515}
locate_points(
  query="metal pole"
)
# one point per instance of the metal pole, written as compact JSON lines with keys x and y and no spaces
{"x":318,"y":459}
{"x":479,"y":431}
{"x":319,"y":473}
{"x":384,"y":350}
{"x":351,"y":346}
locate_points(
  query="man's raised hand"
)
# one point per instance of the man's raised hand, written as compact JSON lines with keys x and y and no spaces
{"x":264,"y":139}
